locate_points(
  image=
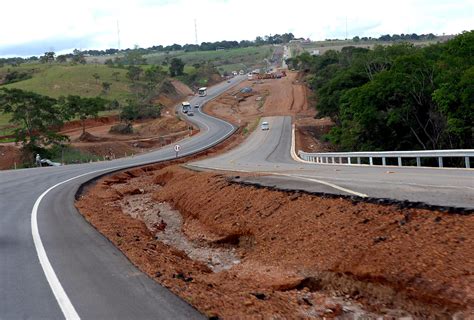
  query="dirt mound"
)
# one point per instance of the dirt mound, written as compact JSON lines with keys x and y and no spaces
{"x":310,"y":134}
{"x":162,"y":126}
{"x":9,"y":155}
{"x":88,"y":137}
{"x":100,"y":121}
{"x":110,"y":150}
{"x":182,"y":89}
{"x":301,"y":256}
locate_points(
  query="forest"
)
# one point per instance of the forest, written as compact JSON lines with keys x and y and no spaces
{"x":397,"y":97}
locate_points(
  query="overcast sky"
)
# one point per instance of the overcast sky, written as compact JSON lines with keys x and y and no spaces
{"x":31,"y":27}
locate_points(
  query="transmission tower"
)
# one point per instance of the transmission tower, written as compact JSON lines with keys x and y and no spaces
{"x":195,"y":31}
{"x":118,"y":35}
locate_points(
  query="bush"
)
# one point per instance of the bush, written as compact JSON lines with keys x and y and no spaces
{"x":122,"y":128}
{"x":135,"y":111}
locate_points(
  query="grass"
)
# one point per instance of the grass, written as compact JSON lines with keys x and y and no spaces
{"x":60,"y":80}
{"x":337,"y":45}
{"x":71,"y":155}
{"x":226,"y":60}
{"x":6,"y":140}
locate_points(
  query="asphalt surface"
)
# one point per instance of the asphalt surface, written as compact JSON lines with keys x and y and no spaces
{"x":90,"y":278}
{"x":269,"y":152}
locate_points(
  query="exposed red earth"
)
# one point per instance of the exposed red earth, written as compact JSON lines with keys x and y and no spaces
{"x":243,"y":252}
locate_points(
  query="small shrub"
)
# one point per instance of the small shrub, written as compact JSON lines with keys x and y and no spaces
{"x":122,"y":128}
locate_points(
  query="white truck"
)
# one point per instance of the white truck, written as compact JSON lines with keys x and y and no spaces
{"x":185,"y":106}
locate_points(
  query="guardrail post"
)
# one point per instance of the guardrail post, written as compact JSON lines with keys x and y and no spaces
{"x":440,"y":162}
{"x":371,"y":161}
{"x":418,"y":162}
{"x":332,"y":160}
{"x":399,"y":161}
{"x":340,"y":160}
{"x":349,"y":160}
{"x":467,"y":163}
{"x":384,"y":161}
{"x":358,"y":160}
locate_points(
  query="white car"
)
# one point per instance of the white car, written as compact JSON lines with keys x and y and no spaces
{"x":265,"y":126}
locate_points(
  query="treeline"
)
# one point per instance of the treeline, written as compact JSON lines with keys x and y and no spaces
{"x":397,"y":97}
{"x":204,"y":46}
{"x":398,"y":37}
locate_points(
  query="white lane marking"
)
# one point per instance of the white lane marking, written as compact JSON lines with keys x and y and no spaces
{"x":62,"y":298}
{"x":332,"y":185}
{"x":401,"y":183}
{"x":329,"y":184}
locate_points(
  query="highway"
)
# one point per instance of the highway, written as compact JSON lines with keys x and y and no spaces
{"x":54,"y":265}
{"x":269,"y":152}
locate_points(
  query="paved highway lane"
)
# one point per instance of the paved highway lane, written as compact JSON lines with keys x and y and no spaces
{"x":81,"y":273}
{"x":269,"y":151}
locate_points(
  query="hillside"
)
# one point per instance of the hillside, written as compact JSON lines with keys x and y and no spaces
{"x":61,"y":80}
{"x":224,"y":60}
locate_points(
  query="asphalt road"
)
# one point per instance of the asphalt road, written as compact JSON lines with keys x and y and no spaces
{"x":53,"y":264}
{"x":269,"y":151}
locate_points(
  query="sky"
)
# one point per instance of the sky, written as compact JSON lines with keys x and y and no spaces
{"x":31,"y":27}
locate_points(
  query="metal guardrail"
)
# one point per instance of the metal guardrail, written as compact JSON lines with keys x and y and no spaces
{"x":347,"y":157}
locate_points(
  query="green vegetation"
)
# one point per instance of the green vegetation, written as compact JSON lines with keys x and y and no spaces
{"x":36,"y":118}
{"x":68,"y":155}
{"x":398,"y":97}
{"x":245,"y":57}
{"x":59,"y":80}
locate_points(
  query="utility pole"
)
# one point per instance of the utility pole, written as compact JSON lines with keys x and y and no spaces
{"x":118,"y":35}
{"x":346,"y":27}
{"x":196,"y":31}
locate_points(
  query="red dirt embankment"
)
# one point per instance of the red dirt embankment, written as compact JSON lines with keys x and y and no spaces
{"x":274,"y":97}
{"x":301,"y":256}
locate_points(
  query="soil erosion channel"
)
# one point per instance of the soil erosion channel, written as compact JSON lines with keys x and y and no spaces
{"x":235,"y":251}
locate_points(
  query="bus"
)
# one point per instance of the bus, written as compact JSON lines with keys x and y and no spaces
{"x":185,"y":106}
{"x":202,"y":92}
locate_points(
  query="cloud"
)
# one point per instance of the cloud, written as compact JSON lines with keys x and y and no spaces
{"x":39,"y":47}
{"x":152,"y":22}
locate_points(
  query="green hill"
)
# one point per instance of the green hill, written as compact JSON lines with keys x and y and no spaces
{"x":60,"y":80}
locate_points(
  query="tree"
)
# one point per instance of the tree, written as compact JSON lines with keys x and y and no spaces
{"x":176,"y":67}
{"x":48,"y":57}
{"x":134,"y":73}
{"x":134,"y":57}
{"x":109,"y":63}
{"x":78,"y":57}
{"x":82,"y":108}
{"x":61,"y":58}
{"x":106,"y":87}
{"x":116,"y":74}
{"x":96,"y":76}
{"x":36,"y":117}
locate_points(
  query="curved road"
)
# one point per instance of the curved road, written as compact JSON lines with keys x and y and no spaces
{"x":54,"y":265}
{"x":269,"y":151}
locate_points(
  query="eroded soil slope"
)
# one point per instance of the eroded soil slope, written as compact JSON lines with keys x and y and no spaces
{"x":293,"y":255}
{"x":274,"y":97}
